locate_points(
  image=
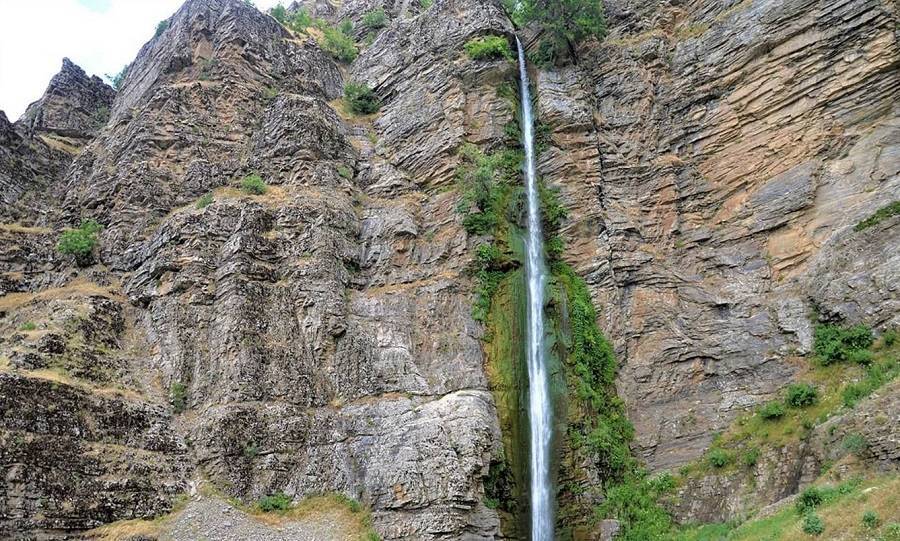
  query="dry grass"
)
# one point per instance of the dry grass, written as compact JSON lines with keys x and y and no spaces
{"x":78,"y":288}
{"x":127,"y":529}
{"x":16,"y":228}
{"x":61,"y":143}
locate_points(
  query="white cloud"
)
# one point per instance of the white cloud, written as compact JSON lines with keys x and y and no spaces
{"x":35,"y":35}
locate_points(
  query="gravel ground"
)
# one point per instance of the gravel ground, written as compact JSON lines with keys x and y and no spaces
{"x":209,"y":519}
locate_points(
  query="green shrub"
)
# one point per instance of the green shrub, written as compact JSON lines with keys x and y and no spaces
{"x":890,"y":337}
{"x":771,"y":410}
{"x":300,"y":21}
{"x":488,"y":48}
{"x":854,"y":443}
{"x":812,"y":524}
{"x":28,"y":326}
{"x":565,"y":22}
{"x":361,"y":99}
{"x":251,"y":450}
{"x":279,"y":13}
{"x":877,"y":374}
{"x":800,"y":395}
{"x":634,"y":502}
{"x":374,"y":19}
{"x":718,"y":458}
{"x":160,"y":28}
{"x":80,"y":242}
{"x":178,"y":396}
{"x":338,"y":44}
{"x":205,"y":201}
{"x":870,"y":520}
{"x":834,"y":344}
{"x":809,"y":499}
{"x":276,"y":502}
{"x":891,"y":532}
{"x":860,"y":356}
{"x":879,"y":216}
{"x":751,"y":457}
{"x":345,"y":171}
{"x":346,"y":27}
{"x":552,"y":210}
{"x":253,"y":185}
{"x":426,"y":3}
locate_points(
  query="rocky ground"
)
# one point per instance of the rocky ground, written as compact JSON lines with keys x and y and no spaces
{"x":714,"y":156}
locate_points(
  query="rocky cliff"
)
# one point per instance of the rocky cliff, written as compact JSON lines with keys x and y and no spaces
{"x":319,"y":337}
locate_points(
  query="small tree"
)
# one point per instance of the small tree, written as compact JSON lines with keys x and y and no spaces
{"x":361,"y":99}
{"x":338,"y":44}
{"x":279,"y":13}
{"x":567,"y":22}
{"x":160,"y":28}
{"x":80,"y":242}
{"x":375,"y":19}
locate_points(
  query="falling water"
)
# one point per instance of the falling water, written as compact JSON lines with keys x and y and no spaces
{"x":538,"y":386}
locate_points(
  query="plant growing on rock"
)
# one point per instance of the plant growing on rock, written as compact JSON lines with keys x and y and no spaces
{"x":855,"y":444}
{"x":809,"y":499}
{"x":279,"y":13}
{"x":276,"y":502}
{"x":300,"y":21}
{"x":338,"y":44}
{"x":488,"y":48}
{"x":178,"y":396}
{"x":205,"y":201}
{"x":253,"y":185}
{"x":870,"y":520}
{"x":719,"y":458}
{"x":160,"y":28}
{"x":834,"y":344}
{"x":800,"y":395}
{"x":361,"y":99}
{"x":375,"y":19}
{"x":80,"y":242}
{"x":812,"y":524}
{"x":771,"y":410}
{"x":565,"y":22}
{"x":879,"y":216}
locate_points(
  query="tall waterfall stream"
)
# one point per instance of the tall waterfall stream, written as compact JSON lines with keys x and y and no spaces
{"x":539,"y":406}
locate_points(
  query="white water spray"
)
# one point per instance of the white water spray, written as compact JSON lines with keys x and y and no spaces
{"x":539,"y":412}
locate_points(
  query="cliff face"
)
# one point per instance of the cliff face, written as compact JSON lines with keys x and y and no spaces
{"x":319,"y":337}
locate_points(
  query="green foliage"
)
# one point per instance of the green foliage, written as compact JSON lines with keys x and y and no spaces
{"x":565,"y":23}
{"x":488,"y":48}
{"x":751,"y":457}
{"x":28,"y":326}
{"x":345,"y":171}
{"x":891,"y":532}
{"x":488,"y":276}
{"x":890,"y":337}
{"x":276,"y":502}
{"x":605,"y":428}
{"x":485,"y":180}
{"x":160,"y":28}
{"x":812,"y":524}
{"x":426,"y":3}
{"x":251,"y":450}
{"x":80,"y":242}
{"x":205,"y":201}
{"x":253,"y":185}
{"x":634,"y":503}
{"x":375,"y":19}
{"x":835,"y":344}
{"x":118,"y":79}
{"x":719,"y":458}
{"x":300,"y":21}
{"x":361,"y":99}
{"x":860,"y":356}
{"x":855,"y":443}
{"x":800,"y":395}
{"x":879,"y":216}
{"x":279,"y":13}
{"x":555,"y":247}
{"x":809,"y":499}
{"x":877,"y":374}
{"x":771,"y":410}
{"x":552,"y":210}
{"x":346,"y":27}
{"x":338,"y":44}
{"x":870,"y":520}
{"x":178,"y":396}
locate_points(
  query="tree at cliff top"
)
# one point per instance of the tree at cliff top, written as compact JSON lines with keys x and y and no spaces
{"x":566,"y":23}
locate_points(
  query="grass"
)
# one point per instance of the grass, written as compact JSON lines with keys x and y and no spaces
{"x":253,"y":185}
{"x":205,"y":201}
{"x":841,"y":507}
{"x":879,"y":216}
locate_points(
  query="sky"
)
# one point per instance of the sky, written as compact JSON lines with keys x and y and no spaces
{"x":101,"y":36}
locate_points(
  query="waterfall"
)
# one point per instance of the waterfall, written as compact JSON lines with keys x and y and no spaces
{"x":539,"y":412}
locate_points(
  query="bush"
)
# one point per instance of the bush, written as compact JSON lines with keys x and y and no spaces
{"x":338,"y":44}
{"x":809,"y":499}
{"x":877,"y":374}
{"x":178,"y":397}
{"x":855,"y":443}
{"x":279,"y":13}
{"x":891,"y":532}
{"x":719,"y":458}
{"x":361,"y":99}
{"x":426,"y":3}
{"x":160,"y":28}
{"x":800,"y":395}
{"x":751,"y":457}
{"x":890,"y":337}
{"x":300,"y":21}
{"x":870,"y":520}
{"x":771,"y":410}
{"x":834,"y":344}
{"x":205,"y":201}
{"x":374,"y":19}
{"x":346,"y":27}
{"x":860,"y":356}
{"x":276,"y":502}
{"x":253,"y":185}
{"x":488,"y":48}
{"x":565,"y":22}
{"x":880,"y":215}
{"x":812,"y":524}
{"x":634,"y":503}
{"x":80,"y":242}
{"x":28,"y":326}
